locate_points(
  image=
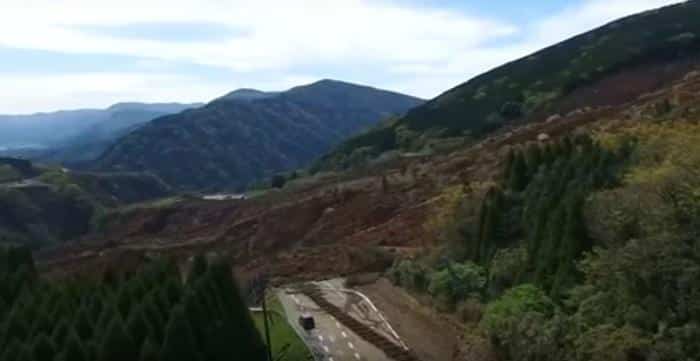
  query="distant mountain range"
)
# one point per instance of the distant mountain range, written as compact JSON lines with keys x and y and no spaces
{"x":249,"y":134}
{"x":76,"y":135}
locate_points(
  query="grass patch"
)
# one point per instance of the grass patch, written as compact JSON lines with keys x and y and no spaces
{"x":8,"y":174}
{"x":282,"y":334}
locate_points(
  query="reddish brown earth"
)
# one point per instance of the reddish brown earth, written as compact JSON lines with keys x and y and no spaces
{"x":432,"y":336}
{"x":341,"y":224}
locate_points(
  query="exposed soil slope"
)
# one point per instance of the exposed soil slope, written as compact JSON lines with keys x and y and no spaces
{"x":345,"y":223}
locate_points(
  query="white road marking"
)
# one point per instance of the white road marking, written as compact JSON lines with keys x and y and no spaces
{"x":330,"y":359}
{"x":345,"y":335}
{"x":337,"y":324}
{"x":352,"y":347}
{"x":325,"y":348}
{"x":357,"y":355}
{"x":331,"y":338}
{"x":320,"y":338}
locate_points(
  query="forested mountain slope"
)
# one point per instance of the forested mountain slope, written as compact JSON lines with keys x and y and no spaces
{"x":42,"y":206}
{"x":569,"y":238}
{"x":248,"y":135}
{"x":122,"y":119}
{"x":609,"y":65}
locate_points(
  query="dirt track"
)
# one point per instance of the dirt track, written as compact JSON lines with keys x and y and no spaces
{"x":430,"y":336}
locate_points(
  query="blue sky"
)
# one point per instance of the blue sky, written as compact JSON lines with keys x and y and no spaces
{"x":65,"y":54}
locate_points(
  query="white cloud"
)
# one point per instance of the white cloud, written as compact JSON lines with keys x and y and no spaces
{"x":589,"y":15}
{"x":276,"y":34}
{"x":421,"y":51}
{"x":435,"y":78}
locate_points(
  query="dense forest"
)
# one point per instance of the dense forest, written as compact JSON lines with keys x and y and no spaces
{"x":153,"y":314}
{"x":586,"y":248}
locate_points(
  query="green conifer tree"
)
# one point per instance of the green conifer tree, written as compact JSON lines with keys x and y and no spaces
{"x":198,"y":269}
{"x":43,"y":349}
{"x":533,"y":159}
{"x":117,"y":345}
{"x":179,"y":344}
{"x":138,"y":327}
{"x":518,"y":173}
{"x":149,"y":352}
{"x":82,"y":324}
{"x":73,"y":349}
{"x":60,"y":332}
{"x":12,"y":350}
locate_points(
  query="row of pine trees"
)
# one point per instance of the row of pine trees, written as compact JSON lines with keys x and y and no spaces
{"x":153,"y":315}
{"x":540,"y":200}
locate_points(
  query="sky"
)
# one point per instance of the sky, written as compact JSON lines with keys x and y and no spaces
{"x":68,"y":54}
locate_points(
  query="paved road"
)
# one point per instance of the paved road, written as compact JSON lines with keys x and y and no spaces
{"x":30,"y":182}
{"x":330,"y":341}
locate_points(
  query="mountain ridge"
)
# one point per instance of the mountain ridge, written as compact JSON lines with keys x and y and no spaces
{"x":540,"y":84}
{"x":70,"y":136}
{"x":231,"y":143}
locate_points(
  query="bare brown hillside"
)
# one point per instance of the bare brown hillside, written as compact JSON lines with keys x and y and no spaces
{"x":345,"y":223}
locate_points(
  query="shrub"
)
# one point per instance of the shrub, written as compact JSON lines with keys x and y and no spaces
{"x":609,"y":343}
{"x":409,"y":274}
{"x":457,"y":282}
{"x":523,"y":326}
{"x":278,"y":181}
{"x":501,"y":315}
{"x":506,"y":268}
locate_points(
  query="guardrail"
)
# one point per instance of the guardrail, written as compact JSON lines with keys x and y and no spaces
{"x":391,"y":349}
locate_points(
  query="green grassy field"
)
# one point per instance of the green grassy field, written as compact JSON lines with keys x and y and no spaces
{"x":8,"y":174}
{"x":282,"y":334}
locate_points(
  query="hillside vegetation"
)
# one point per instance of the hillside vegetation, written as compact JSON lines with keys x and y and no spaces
{"x":585,"y":247}
{"x":240,"y":138}
{"x":42,"y":206}
{"x":652,"y":48}
{"x":151,"y":314}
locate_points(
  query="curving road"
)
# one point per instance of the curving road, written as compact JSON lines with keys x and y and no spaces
{"x":330,"y":340}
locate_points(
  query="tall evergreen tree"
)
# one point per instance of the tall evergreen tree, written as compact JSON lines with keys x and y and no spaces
{"x":82,"y":325}
{"x":16,"y":326}
{"x":60,"y":332}
{"x":250,"y":345}
{"x":117,"y":344}
{"x":43,"y":349}
{"x":198,"y":269}
{"x":149,"y":352}
{"x":533,"y":159}
{"x":73,"y":349}
{"x":179,"y":344}
{"x":138,"y":327}
{"x":12,"y":350}
{"x":518,"y":173}
{"x":155,"y":317}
